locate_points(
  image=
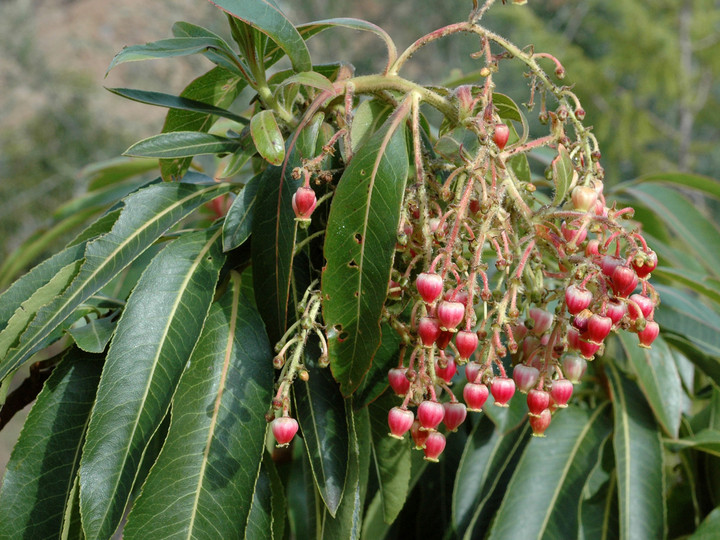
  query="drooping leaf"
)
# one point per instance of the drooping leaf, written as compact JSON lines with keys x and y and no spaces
{"x":111,"y":171}
{"x":154,"y":338}
{"x":658,"y":378}
{"x":562,"y":173}
{"x":267,"y":137}
{"x":266,"y":17}
{"x":321,"y":413}
{"x":485,"y":467}
{"x":178,"y":144}
{"x":708,"y":186}
{"x":639,"y":458}
{"x":359,"y":249}
{"x":274,"y":230}
{"x":176,"y":102}
{"x":239,"y":218}
{"x":99,"y":199}
{"x":94,"y":336}
{"x":147,"y":214}
{"x":201,"y":485}
{"x":43,"y":466}
{"x":700,"y":283}
{"x":391,"y":458}
{"x":549,"y":494}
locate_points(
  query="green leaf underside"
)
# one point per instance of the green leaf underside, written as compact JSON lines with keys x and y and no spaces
{"x":391,"y":458}
{"x":155,"y":336}
{"x":266,"y":17}
{"x":94,"y":336}
{"x":267,"y":137}
{"x":639,"y":458}
{"x":202,"y":483}
{"x":487,"y":459}
{"x":549,"y":494}
{"x":273,"y":233}
{"x":659,"y":380}
{"x":28,"y":309}
{"x":148,"y":213}
{"x":218,"y":87}
{"x":239,"y":219}
{"x":178,"y":144}
{"x":359,"y":249}
{"x":321,"y":413}
{"x":42,"y":469}
{"x":176,"y":102}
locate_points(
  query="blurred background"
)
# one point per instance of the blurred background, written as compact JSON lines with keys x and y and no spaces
{"x":646,"y":71}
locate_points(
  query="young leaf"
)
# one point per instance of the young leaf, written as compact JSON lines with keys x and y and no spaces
{"x":267,"y":137}
{"x":155,"y":335}
{"x":148,"y":213}
{"x":239,"y":219}
{"x":639,"y":458}
{"x":266,"y":17}
{"x":178,"y":144}
{"x":562,"y":173}
{"x":549,"y":479}
{"x":218,"y":87}
{"x":43,"y":466}
{"x":391,"y":458}
{"x":201,"y":485}
{"x":359,"y":249}
{"x":321,"y":413}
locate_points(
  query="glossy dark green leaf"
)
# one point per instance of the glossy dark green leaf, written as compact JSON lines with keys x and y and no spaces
{"x":369,"y":116}
{"x":487,"y":462}
{"x":386,"y":357}
{"x":176,"y":102}
{"x":94,"y":336}
{"x":708,"y":529}
{"x":218,"y":87}
{"x":391,"y":458}
{"x":562,"y":173}
{"x":239,"y":219}
{"x":550,"y":477}
{"x":707,"y":440}
{"x":201,"y":485}
{"x":266,"y":17}
{"x":154,"y":338}
{"x":178,"y":144}
{"x":40,"y":474}
{"x":321,"y":413}
{"x":267,"y":137}
{"x":267,"y":514}
{"x":598,"y":512}
{"x":147,"y":214}
{"x":359,"y":250}
{"x":274,"y":230}
{"x":639,"y":458}
{"x":178,"y":46}
{"x":658,"y":378}
{"x":506,"y":419}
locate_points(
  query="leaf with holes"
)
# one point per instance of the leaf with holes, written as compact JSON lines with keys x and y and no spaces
{"x":211,"y":459}
{"x":359,"y":249}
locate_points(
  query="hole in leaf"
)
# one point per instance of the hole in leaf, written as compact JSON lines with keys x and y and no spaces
{"x":358,"y":238}
{"x":353,"y":264}
{"x":356,"y":294}
{"x":343,"y":336}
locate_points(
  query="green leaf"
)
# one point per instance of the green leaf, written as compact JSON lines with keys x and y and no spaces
{"x":368,"y":118}
{"x":698,"y":282}
{"x":143,"y":367}
{"x":549,"y":479}
{"x":487,"y":462}
{"x":707,"y":440}
{"x":705,"y":184}
{"x":268,"y":510}
{"x":391,"y":458}
{"x":658,"y":378}
{"x":105,"y":173}
{"x":506,"y":419}
{"x":201,"y":485}
{"x":178,"y":144}
{"x":321,"y":413}
{"x":218,"y":87}
{"x":308,"y":78}
{"x":639,"y":458}
{"x":386,"y":357}
{"x":562,"y":172}
{"x":40,"y":474}
{"x":708,"y":529}
{"x":176,"y":102}
{"x":507,"y":109}
{"x":598,"y":512}
{"x":148,"y":213}
{"x":267,"y":137}
{"x":99,"y":199}
{"x":179,"y":46}
{"x":266,"y":17}
{"x":359,"y":249}
{"x":239,"y":219}
{"x":28,"y":309}
{"x":94,"y":336}
{"x":274,"y":230}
